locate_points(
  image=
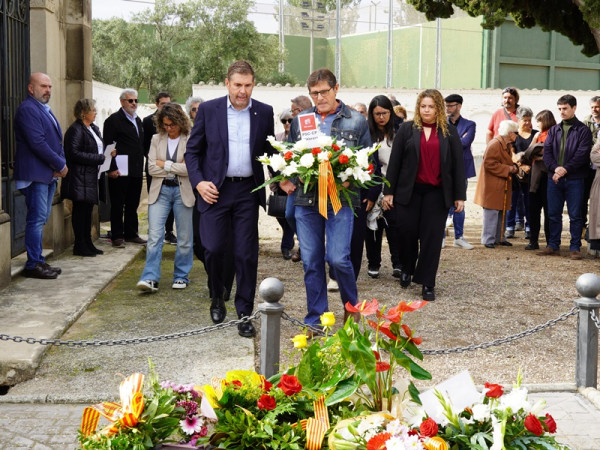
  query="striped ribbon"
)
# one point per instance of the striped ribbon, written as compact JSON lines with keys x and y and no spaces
{"x":125,"y":414}
{"x":327,"y":186}
{"x":317,"y":427}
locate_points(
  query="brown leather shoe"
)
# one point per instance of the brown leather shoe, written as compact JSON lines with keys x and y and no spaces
{"x":136,"y":240}
{"x":575,"y":255}
{"x":296,"y":257}
{"x":118,"y":243}
{"x":548,"y":251}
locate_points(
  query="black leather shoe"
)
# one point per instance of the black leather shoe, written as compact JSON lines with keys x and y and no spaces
{"x":83,"y":252}
{"x":96,"y":250}
{"x":428,"y":293}
{"x":217,"y":310}
{"x":532,"y":246}
{"x":505,"y":244}
{"x":41,"y":272}
{"x":490,"y":245}
{"x":246,"y":329}
{"x":56,"y":269}
{"x":287,"y":254}
{"x":404,"y":279}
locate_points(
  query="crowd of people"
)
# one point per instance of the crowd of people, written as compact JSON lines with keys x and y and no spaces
{"x":202,"y":170}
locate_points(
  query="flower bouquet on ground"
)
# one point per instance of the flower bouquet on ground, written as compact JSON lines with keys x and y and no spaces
{"x":329,"y":165}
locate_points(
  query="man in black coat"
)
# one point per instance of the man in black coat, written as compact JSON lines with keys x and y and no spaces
{"x":149,"y":131}
{"x":124,"y":128}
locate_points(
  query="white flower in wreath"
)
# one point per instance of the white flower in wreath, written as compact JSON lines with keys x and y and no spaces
{"x":264,"y":159}
{"x":325,"y":141}
{"x":275,"y":143}
{"x":362,"y":158}
{"x":347,"y":152}
{"x":323,"y":156}
{"x":360,"y":175}
{"x":300,"y":145}
{"x":307,"y":160}
{"x":290,"y":170}
{"x":481,"y":412}
{"x":497,"y":435}
{"x":277,"y":163}
{"x":516,"y":400}
{"x":343,"y":176}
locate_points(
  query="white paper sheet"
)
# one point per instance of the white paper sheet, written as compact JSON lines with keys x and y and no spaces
{"x":123,"y":164}
{"x":459,"y":389}
{"x":107,"y":159}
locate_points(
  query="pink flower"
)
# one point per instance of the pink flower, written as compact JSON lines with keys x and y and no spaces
{"x":191,"y":425}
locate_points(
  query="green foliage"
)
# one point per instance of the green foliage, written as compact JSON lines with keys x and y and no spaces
{"x":173,"y":45}
{"x":572,"y":18}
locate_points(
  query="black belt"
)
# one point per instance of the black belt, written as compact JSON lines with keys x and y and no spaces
{"x":237,"y":179}
{"x":171,"y":182}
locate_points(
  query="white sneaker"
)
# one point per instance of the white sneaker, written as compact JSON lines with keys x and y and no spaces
{"x":443,"y":242}
{"x":179,"y":284}
{"x":462,"y":243}
{"x":148,"y":286}
{"x":449,"y":221}
{"x":332,"y":286}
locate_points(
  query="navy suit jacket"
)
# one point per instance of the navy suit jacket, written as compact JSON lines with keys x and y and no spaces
{"x":207,"y":154}
{"x":39,"y":151}
{"x":466,"y":133}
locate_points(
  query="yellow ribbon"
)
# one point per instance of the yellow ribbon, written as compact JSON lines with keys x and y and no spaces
{"x":317,"y":427}
{"x":125,"y":414}
{"x":327,"y":186}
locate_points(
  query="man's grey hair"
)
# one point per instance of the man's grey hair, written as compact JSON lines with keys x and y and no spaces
{"x":524,"y":111}
{"x":128,"y":91}
{"x":189,"y":101}
{"x":506,"y":127}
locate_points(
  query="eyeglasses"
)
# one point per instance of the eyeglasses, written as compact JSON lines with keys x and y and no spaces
{"x":284,"y":121}
{"x":323,"y":93}
{"x":170,"y":125}
{"x":296,"y":110}
{"x":382,"y":114}
{"x":194,"y":109}
{"x":131,"y":100}
{"x":451,"y":105}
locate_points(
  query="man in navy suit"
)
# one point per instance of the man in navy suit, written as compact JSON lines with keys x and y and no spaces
{"x":229,"y":133}
{"x":466,"y":132}
{"x":39,"y":161}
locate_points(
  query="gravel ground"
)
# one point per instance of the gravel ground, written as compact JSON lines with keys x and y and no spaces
{"x":481,"y":295}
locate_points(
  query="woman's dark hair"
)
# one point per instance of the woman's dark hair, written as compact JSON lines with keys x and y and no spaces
{"x":83,"y":106}
{"x":378,"y":135}
{"x":546,"y":118}
{"x":175,"y":114}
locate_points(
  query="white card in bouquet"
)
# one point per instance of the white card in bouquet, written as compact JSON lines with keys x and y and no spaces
{"x":459,"y":390}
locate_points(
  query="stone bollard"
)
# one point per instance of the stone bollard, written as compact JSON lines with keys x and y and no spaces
{"x":271,"y":291}
{"x":586,"y":366}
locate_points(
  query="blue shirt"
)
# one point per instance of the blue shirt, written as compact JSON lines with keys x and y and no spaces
{"x":238,"y":130}
{"x":325,"y":124}
{"x":132,"y":120}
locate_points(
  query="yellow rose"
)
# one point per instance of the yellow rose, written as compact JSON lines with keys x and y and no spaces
{"x":327,"y":319}
{"x":299,"y":341}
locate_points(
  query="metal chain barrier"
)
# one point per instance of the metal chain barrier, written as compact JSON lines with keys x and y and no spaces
{"x":595,"y":318}
{"x":143,"y":340}
{"x":315,"y":330}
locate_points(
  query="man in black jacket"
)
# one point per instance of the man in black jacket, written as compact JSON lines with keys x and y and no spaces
{"x":149,"y":131}
{"x":124,"y":128}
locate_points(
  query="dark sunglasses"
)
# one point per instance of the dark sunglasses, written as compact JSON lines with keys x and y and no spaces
{"x":284,"y":121}
{"x":132,"y":100}
{"x":194,"y":109}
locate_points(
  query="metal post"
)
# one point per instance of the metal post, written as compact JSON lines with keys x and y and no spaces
{"x":438,"y":53}
{"x":390,"y":44}
{"x":271,"y":291}
{"x":586,"y":365}
{"x":281,"y":37}
{"x":338,"y":41}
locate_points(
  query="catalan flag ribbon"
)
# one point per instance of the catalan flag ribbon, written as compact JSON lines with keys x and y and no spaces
{"x":125,"y":414}
{"x":327,"y":186}
{"x":317,"y":427}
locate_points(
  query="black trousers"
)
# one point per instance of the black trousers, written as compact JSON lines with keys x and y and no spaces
{"x":374,"y":240}
{"x":421,"y":225}
{"x":538,"y":201}
{"x":125,"y":195}
{"x":81,"y":220}
{"x":171,"y":217}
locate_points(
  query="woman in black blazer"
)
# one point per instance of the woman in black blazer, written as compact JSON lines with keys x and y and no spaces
{"x":426,"y":176}
{"x":84,"y":151}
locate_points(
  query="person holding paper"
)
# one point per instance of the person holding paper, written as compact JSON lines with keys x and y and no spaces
{"x":125,"y":181}
{"x":84,"y":150}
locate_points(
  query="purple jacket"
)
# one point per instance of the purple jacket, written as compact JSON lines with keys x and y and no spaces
{"x":577,"y":150}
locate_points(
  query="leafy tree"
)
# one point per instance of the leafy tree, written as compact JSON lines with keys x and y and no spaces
{"x":579,"y":20}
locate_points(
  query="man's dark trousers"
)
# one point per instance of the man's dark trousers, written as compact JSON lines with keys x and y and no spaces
{"x":125,"y":195}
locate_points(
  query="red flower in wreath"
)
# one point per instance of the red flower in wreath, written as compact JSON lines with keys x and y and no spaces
{"x":288,"y":155}
{"x":335,"y":148}
{"x":343,"y":159}
{"x":289,"y":384}
{"x":266,"y":402}
{"x":549,"y":423}
{"x":533,"y":424}
{"x":371,"y":169}
{"x":316,"y":150}
{"x":378,"y":441}
{"x":428,"y":428}
{"x":493,"y":390}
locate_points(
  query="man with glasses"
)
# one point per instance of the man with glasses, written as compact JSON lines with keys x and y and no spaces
{"x":510,"y":103}
{"x":125,"y":129}
{"x":228,"y":136}
{"x":299,"y":104}
{"x":466,"y":131}
{"x":327,"y":239}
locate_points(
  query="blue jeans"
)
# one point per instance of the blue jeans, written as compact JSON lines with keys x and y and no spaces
{"x":570,"y":191}
{"x":169,"y":197}
{"x":459,"y":218}
{"x":519,"y":210}
{"x":325,"y":239}
{"x":290,"y":210}
{"x":38,"y":198}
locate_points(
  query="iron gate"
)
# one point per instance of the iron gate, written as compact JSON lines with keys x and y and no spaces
{"x":14,"y":72}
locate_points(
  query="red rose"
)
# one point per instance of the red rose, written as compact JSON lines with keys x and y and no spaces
{"x":549,"y":423}
{"x":266,"y":402}
{"x":335,"y":147}
{"x":288,"y":155}
{"x":533,"y":424}
{"x":428,"y":428}
{"x":371,"y":169}
{"x":343,"y":159}
{"x":266,"y":386}
{"x":235,"y":383}
{"x":381,"y":366}
{"x":316,"y":150}
{"x":493,"y":390}
{"x":289,"y":384}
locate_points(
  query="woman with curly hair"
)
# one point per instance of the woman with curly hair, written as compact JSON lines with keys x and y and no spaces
{"x":426,"y":175}
{"x":170,"y":189}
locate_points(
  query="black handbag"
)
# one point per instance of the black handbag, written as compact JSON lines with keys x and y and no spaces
{"x":276,"y":205}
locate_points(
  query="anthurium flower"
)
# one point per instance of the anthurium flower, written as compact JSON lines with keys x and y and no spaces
{"x":365,"y":308}
{"x":327,"y":319}
{"x":493,"y":390}
{"x":384,"y":328}
{"x":395,"y":314}
{"x":533,"y":424}
{"x":300,"y":341}
{"x":409,"y":334}
{"x":382,"y":366}
{"x":266,"y":402}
